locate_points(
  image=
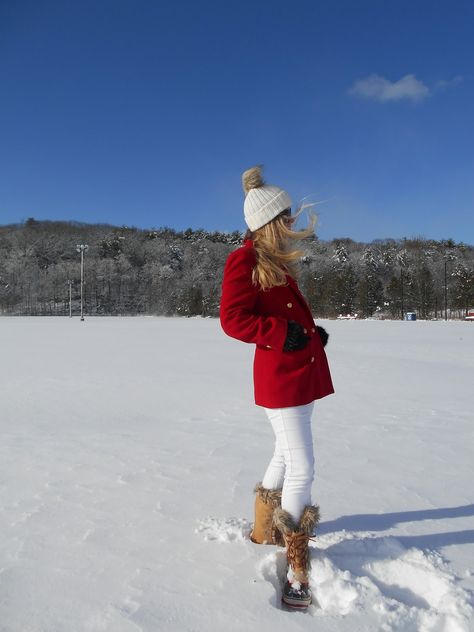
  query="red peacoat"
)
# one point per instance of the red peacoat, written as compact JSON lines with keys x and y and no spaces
{"x":253,"y":315}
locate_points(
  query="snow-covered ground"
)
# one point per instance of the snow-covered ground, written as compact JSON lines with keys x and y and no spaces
{"x":128,"y":456}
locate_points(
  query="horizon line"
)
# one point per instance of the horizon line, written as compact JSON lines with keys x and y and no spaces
{"x":414,"y":237}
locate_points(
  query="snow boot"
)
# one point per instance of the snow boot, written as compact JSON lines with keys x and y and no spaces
{"x":264,"y":530}
{"x":296,"y":592}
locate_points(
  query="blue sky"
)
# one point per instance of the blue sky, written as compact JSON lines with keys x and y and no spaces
{"x":145,"y":113}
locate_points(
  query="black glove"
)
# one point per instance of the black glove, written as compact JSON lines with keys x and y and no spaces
{"x":296,"y":339}
{"x":323,"y":334}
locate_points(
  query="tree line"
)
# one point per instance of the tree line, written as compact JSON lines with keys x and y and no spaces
{"x":130,"y":271}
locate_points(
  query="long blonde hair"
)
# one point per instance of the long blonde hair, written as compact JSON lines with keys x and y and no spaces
{"x":275,"y":257}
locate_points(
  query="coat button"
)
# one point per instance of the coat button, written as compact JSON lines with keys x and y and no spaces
{"x":305,"y":331}
{"x":313,"y":329}
{"x":268,"y":347}
{"x":290,"y":305}
{"x":312,"y":358}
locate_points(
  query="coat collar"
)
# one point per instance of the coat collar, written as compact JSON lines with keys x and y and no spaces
{"x":294,"y":286}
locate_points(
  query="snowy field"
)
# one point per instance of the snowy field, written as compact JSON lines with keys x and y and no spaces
{"x":128,"y":455}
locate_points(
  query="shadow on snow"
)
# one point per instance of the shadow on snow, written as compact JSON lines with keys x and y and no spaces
{"x":382,"y":522}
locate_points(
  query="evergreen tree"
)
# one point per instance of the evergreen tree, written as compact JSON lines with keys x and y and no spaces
{"x":164,"y":271}
{"x":463,"y":291}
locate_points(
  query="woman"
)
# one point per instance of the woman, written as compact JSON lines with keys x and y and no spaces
{"x":261,"y":304}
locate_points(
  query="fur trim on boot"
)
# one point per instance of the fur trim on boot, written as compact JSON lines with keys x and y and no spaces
{"x":271,"y":496}
{"x":264,"y":530}
{"x":308,"y":522}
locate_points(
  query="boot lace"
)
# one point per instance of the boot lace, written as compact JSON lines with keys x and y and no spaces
{"x":297,"y":551}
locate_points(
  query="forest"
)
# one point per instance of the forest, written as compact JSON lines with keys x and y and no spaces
{"x":131,"y":271}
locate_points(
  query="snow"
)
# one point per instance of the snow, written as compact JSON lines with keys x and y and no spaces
{"x":129,"y":452}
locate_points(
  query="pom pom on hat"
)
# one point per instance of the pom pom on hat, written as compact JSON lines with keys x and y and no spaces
{"x":263,"y":202}
{"x":252,"y":178}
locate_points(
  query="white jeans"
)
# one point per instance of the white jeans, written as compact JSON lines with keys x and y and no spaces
{"x":292,"y":464}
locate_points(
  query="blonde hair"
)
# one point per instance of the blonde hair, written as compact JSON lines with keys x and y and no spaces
{"x":275,"y":257}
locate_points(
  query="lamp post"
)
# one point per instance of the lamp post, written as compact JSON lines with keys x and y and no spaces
{"x":449,"y":257}
{"x":401,"y":286}
{"x":402,"y":260}
{"x":445,"y":289}
{"x":82,"y":248}
{"x":70,"y":297}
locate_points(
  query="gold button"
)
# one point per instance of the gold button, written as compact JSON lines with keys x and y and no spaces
{"x":312,"y":358}
{"x":289,"y":305}
{"x":313,"y":329}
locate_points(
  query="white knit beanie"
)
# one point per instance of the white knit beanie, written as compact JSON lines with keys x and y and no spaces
{"x":263,"y":202}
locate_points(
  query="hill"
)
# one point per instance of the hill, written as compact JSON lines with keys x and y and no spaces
{"x":166,"y":272}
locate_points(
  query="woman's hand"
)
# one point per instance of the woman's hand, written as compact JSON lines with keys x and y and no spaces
{"x":323,"y":334}
{"x":296,"y":338}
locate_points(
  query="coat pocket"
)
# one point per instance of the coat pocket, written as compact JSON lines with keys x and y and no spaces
{"x":298,"y":359}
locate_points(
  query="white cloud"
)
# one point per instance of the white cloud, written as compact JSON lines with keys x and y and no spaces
{"x":381,"y":89}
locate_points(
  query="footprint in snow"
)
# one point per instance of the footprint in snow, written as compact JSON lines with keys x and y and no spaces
{"x":405,"y":590}
{"x":409,"y":590}
{"x":224,"y":529}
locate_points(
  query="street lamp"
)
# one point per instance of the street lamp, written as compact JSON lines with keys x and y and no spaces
{"x":401,"y":286}
{"x":70,"y":297}
{"x":448,"y":257}
{"x":82,"y":248}
{"x":445,"y":289}
{"x":401,"y":259}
